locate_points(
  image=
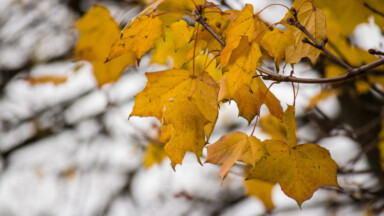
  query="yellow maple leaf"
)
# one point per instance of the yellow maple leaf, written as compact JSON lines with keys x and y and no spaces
{"x":175,"y":44}
{"x":224,"y":90}
{"x":165,"y":133}
{"x":275,"y":42}
{"x":313,"y":20}
{"x":170,"y":10}
{"x":201,"y":63}
{"x":242,"y":65}
{"x":185,"y":101}
{"x":274,"y":127}
{"x":299,"y":169}
{"x":242,"y":25}
{"x":98,"y":30}
{"x":138,"y":36}
{"x":154,"y":154}
{"x":248,"y":91}
{"x":236,"y":146}
{"x":188,"y":129}
{"x":261,"y":190}
{"x":250,"y":99}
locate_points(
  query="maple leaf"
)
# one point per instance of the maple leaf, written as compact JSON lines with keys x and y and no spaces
{"x":154,"y":154}
{"x":176,"y":44}
{"x":242,"y":25}
{"x":98,"y":30}
{"x":250,"y":99}
{"x":188,"y":129}
{"x":190,"y":104}
{"x":138,"y":36}
{"x":164,"y":7}
{"x":242,"y":65}
{"x":261,"y":190}
{"x":299,"y":169}
{"x":201,"y":62}
{"x":275,"y":42}
{"x":248,"y":91}
{"x":314,"y":21}
{"x":274,"y":127}
{"x":236,"y":146}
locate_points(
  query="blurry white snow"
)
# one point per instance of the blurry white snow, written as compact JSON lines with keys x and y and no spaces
{"x":158,"y":190}
{"x":34,"y":31}
{"x":368,"y":30}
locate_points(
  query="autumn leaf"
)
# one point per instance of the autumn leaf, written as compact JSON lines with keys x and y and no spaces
{"x":175,"y":44}
{"x":299,"y":169}
{"x":248,"y":91}
{"x":201,"y":63}
{"x":154,"y":154}
{"x":261,"y":190}
{"x":163,"y":7}
{"x":236,"y":146}
{"x":242,"y":65}
{"x":313,"y":20}
{"x":138,"y":36}
{"x":188,"y":129}
{"x":250,"y":99}
{"x":276,"y":42}
{"x":165,"y":133}
{"x":274,"y":127}
{"x":185,"y":101}
{"x":224,"y":90}
{"x":98,"y":30}
{"x":152,"y":7}
{"x":242,"y":26}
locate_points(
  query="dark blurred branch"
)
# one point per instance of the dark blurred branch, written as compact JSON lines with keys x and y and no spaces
{"x":374,"y":10}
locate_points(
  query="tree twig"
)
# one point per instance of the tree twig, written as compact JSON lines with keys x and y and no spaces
{"x":374,"y":9}
{"x":317,"y":44}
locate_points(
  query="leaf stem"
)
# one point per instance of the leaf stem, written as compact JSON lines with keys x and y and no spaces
{"x":270,"y":6}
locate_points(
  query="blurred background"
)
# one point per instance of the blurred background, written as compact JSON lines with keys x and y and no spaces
{"x":68,"y":148}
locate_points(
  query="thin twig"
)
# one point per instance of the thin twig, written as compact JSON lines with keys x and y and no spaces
{"x":317,"y":44}
{"x":374,"y":9}
{"x":202,"y":21}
